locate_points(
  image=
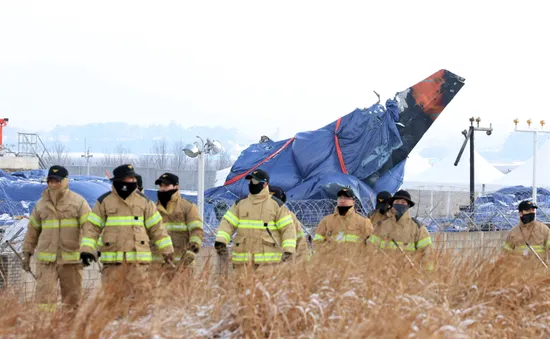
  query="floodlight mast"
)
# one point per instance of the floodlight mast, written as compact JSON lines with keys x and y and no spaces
{"x":200,"y":150}
{"x":469,"y":135}
{"x":535,"y":132}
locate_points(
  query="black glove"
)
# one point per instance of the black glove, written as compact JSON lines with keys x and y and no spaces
{"x":286,"y":256}
{"x":194,"y":247}
{"x":221,"y":248}
{"x":86,"y":258}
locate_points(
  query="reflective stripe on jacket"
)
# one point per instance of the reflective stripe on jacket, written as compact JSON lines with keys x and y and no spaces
{"x":535,"y":233}
{"x":250,"y":218}
{"x":184,"y":225}
{"x":54,"y":227}
{"x":408,"y":234}
{"x":127,"y":229}
{"x":343,"y":229}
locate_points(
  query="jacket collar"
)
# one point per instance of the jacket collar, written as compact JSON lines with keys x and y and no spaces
{"x":348,"y":213}
{"x":170,"y":206}
{"x":260,"y":197}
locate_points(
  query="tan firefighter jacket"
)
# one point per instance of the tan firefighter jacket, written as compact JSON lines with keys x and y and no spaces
{"x":535,"y":234}
{"x":343,"y":229}
{"x":54,"y":227}
{"x":250,"y":218}
{"x":377,"y":217}
{"x":409,"y":234}
{"x":301,"y":242}
{"x":184,"y":225}
{"x":127,"y":227}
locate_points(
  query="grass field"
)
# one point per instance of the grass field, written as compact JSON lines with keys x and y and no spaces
{"x":334,"y":295}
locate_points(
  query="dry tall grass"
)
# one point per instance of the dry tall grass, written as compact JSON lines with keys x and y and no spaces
{"x":331,"y":296}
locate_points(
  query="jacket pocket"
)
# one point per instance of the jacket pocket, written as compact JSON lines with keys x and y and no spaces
{"x":109,"y":240}
{"x":70,"y":238}
{"x":142,"y":243}
{"x":45,"y":240}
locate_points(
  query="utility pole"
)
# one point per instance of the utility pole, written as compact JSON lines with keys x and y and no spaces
{"x":469,"y":136}
{"x":87,"y":155}
{"x":535,"y":132}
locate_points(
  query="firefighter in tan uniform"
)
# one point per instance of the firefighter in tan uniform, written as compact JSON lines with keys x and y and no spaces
{"x":181,"y":218}
{"x":265,"y":231}
{"x":400,"y":229}
{"x":54,"y":232}
{"x":382,"y":210}
{"x":128,"y":222}
{"x":344,"y":226}
{"x":529,"y":232}
{"x":302,"y":248}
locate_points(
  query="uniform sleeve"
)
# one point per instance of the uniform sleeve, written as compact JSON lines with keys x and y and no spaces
{"x":301,"y":243}
{"x":228,"y":225}
{"x":425,"y":247}
{"x":194,"y":224}
{"x":320,"y":233}
{"x":34,"y":228}
{"x":156,"y":230}
{"x":285,"y":225}
{"x":547,"y":244}
{"x":508,"y":245}
{"x":83,"y":212}
{"x":92,"y":227}
{"x":367,"y":231}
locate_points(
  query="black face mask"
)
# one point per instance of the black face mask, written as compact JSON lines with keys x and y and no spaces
{"x":400,"y":210}
{"x":255,"y":188}
{"x":124,"y":189}
{"x":165,"y":196}
{"x":342,"y":210}
{"x":382,"y":208}
{"x":527,"y":218}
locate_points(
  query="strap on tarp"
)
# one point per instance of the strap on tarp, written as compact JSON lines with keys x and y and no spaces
{"x":338,"y":150}
{"x":240,"y":176}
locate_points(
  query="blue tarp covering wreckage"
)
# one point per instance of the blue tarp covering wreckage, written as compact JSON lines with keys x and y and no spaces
{"x":365,"y":149}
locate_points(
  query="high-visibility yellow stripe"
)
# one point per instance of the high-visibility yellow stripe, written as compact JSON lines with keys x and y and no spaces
{"x":424,"y":243}
{"x":153,"y":220}
{"x":507,"y":247}
{"x":283,"y":222}
{"x":240,"y":257}
{"x":88,"y":242}
{"x":225,"y":235}
{"x":257,"y":224}
{"x":43,"y":256}
{"x":195,"y":224}
{"x":109,"y":257}
{"x":164,"y":242}
{"x":318,"y":237}
{"x":232,"y":218}
{"x":96,"y":220}
{"x":47,"y":307}
{"x":175,"y":226}
{"x":299,"y":235}
{"x":196,"y":240}
{"x":35,"y":223}
{"x":83,"y":219}
{"x":289,"y":243}
{"x":268,"y":257}
{"x":119,"y":221}
{"x":70,"y":256}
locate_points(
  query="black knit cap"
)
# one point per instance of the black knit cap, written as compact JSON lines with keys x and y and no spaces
{"x":168,"y":178}
{"x":402,"y":194}
{"x":259,"y":175}
{"x":383,"y":197}
{"x":57,"y":172}
{"x":278,"y":193}
{"x":123,"y":171}
{"x":526,"y":205}
{"x":347,"y":192}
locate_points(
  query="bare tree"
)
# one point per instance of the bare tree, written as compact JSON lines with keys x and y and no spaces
{"x":59,"y":154}
{"x":160,"y":154}
{"x":224,"y":160}
{"x":179,"y":159}
{"x":143,"y":160}
{"x":122,"y":155}
{"x":107,"y":160}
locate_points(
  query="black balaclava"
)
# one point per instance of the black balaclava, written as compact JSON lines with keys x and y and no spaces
{"x":124,"y":189}
{"x":527,"y":218}
{"x":400,"y":210}
{"x":165,"y":196}
{"x":255,"y":188}
{"x":342,"y":210}
{"x":382,"y":207}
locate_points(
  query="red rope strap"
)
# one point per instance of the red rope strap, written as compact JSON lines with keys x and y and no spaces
{"x":240,"y":176}
{"x":338,"y":150}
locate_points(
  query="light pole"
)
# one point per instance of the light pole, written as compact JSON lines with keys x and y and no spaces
{"x":535,"y":132}
{"x":469,"y":136}
{"x":211,"y":147}
{"x":87,"y":155}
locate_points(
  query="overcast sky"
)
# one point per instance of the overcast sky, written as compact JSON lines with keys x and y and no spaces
{"x":258,"y":65}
